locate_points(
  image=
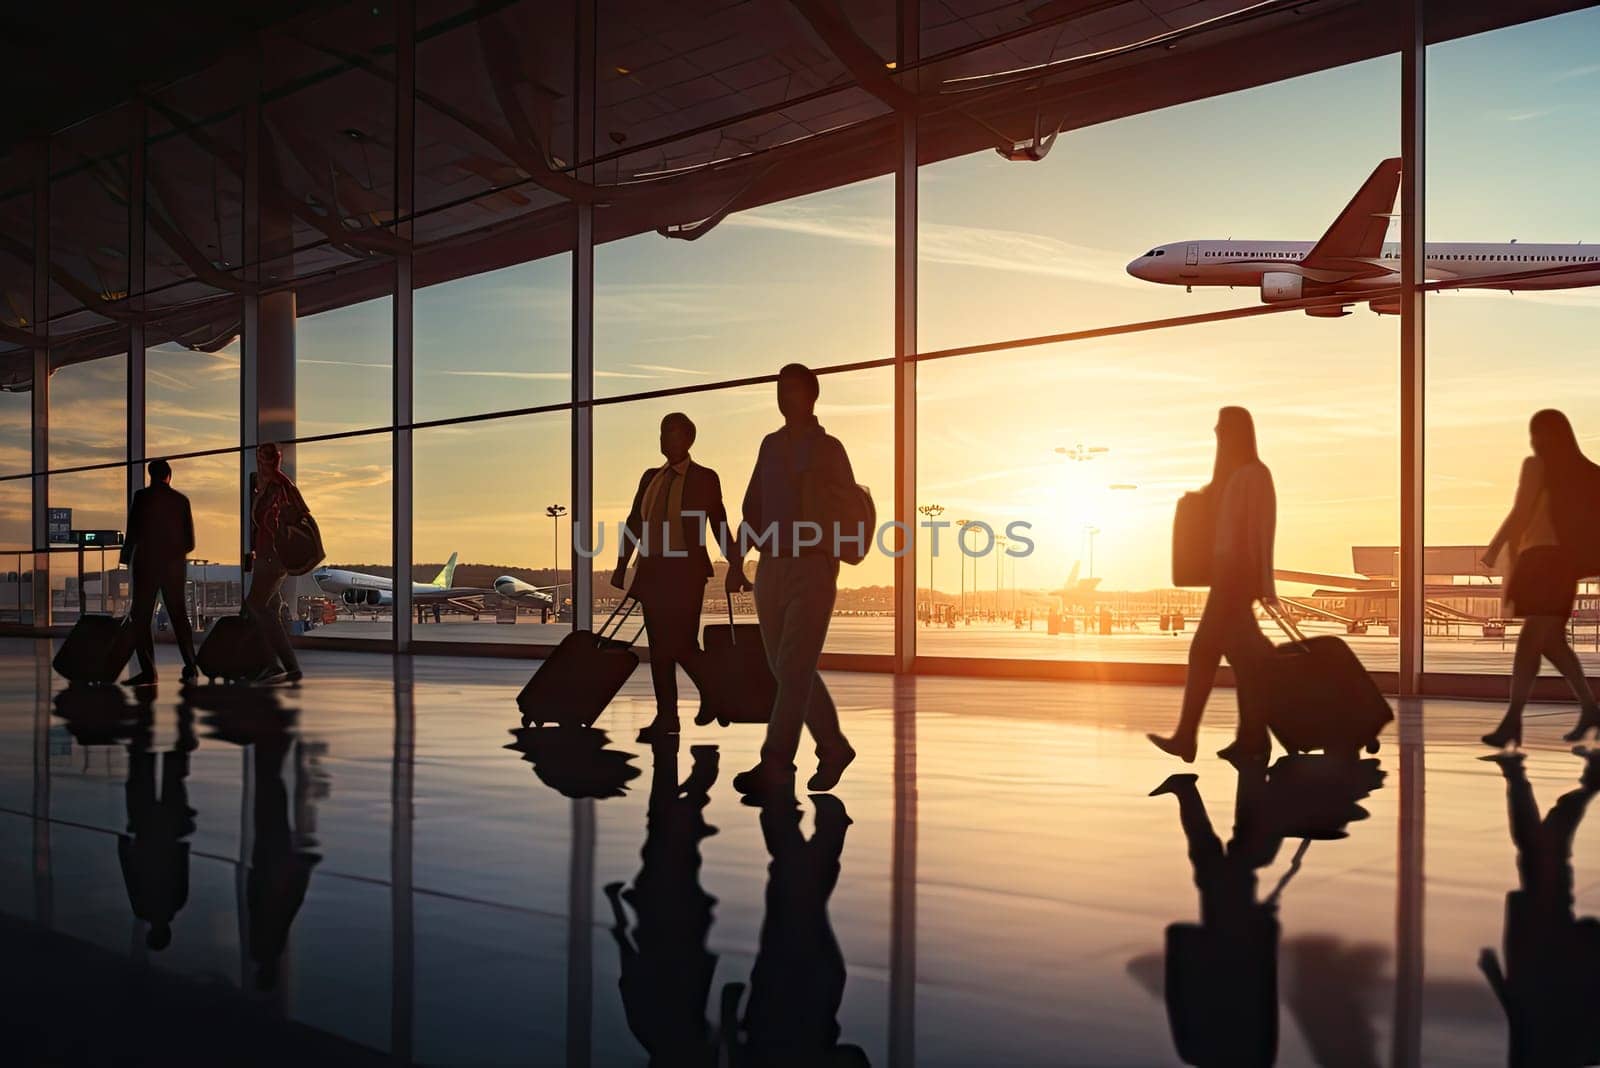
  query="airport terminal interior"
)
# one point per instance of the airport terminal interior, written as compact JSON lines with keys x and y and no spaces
{"x":460,"y":260}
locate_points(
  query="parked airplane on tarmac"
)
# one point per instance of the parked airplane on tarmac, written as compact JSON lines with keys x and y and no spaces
{"x":1352,"y":259}
{"x":356,"y":588}
{"x":514,"y":589}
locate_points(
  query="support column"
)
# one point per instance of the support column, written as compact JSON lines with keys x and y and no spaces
{"x":903,"y":881}
{"x":405,"y":202}
{"x":44,"y":895}
{"x":1409,"y":885}
{"x":582,"y":587}
{"x":249,"y":314}
{"x":905,"y":368}
{"x":402,"y":970}
{"x":136,"y":301}
{"x":41,"y":385}
{"x":580,"y":935}
{"x":1413,"y":151}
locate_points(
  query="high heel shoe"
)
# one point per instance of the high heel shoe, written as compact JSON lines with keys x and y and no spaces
{"x":1178,"y":745}
{"x":1509,"y":733}
{"x":1587,"y":722}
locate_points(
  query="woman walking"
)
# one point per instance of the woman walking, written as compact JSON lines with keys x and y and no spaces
{"x":1550,"y":535}
{"x":1245,"y":511}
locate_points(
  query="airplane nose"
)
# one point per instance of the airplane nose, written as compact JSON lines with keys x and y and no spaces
{"x":1136,"y":268}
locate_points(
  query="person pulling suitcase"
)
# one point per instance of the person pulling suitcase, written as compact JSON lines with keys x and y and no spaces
{"x":1243,"y":520}
{"x":665,"y":523}
{"x":160,"y":538}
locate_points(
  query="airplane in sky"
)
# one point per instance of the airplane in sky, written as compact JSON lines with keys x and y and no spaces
{"x":1353,"y":259}
{"x":356,"y":588}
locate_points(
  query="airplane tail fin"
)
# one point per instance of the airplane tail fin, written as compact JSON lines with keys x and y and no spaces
{"x":1072,"y":579}
{"x":446,"y":578}
{"x":1357,"y":234}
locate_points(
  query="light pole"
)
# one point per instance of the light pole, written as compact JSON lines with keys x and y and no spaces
{"x":1091,"y":532}
{"x":555,"y":512}
{"x":999,"y":557}
{"x":931,"y":511}
{"x":961,"y":558}
{"x":1081,"y":453}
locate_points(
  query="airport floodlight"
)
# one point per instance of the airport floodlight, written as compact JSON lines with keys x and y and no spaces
{"x":932,"y":511}
{"x":555,"y":512}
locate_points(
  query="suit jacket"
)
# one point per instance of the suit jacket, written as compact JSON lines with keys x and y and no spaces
{"x":160,"y":528}
{"x":702,"y":493}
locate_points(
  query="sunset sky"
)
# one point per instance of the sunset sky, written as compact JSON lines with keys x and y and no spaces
{"x":1007,"y":250}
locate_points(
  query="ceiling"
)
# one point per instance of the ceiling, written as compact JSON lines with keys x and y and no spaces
{"x":699,"y":108}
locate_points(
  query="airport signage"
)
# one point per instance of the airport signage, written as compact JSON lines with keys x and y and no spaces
{"x":59,"y":522}
{"x":91,"y":539}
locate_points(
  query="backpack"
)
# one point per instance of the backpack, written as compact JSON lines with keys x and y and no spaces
{"x":844,"y":510}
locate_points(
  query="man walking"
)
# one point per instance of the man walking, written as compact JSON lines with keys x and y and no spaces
{"x":160,"y":538}
{"x":669,"y":507}
{"x":799,"y":469}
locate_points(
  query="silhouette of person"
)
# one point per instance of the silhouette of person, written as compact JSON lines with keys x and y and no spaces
{"x":159,"y":539}
{"x":280,"y":863}
{"x":1551,"y":977}
{"x":275,"y":497}
{"x":153,"y":855}
{"x":1245,"y":513}
{"x":1550,"y":534}
{"x":1222,"y":974}
{"x":797,"y":982}
{"x":799,"y":467}
{"x":669,"y":508}
{"x":666,"y":967}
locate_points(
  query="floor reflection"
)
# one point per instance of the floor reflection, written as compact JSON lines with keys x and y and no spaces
{"x":1221,"y":975}
{"x":365,"y":866}
{"x":1548,"y":980}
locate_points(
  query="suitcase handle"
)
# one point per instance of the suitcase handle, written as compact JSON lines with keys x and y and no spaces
{"x":632,"y":602}
{"x":727,"y":599}
{"x":1287,"y":625}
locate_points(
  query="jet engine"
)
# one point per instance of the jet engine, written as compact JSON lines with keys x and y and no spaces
{"x":370,"y":598}
{"x":1334,"y":311}
{"x":1282,"y":285}
{"x":1384,"y":307}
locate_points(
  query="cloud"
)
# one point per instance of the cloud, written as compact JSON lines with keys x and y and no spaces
{"x":1514,"y":114}
{"x":1576,"y":72}
{"x":668,"y":370}
{"x":987,"y":248}
{"x":346,"y":363}
{"x":537,"y":376}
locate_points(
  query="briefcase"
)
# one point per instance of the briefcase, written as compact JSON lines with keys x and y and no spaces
{"x":1319,"y":696}
{"x":576,"y":683}
{"x":96,"y":649}
{"x":1194,"y":537}
{"x":738,"y":686}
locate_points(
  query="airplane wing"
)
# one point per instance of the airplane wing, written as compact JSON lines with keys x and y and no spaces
{"x":445,"y":594}
{"x":1356,"y":237}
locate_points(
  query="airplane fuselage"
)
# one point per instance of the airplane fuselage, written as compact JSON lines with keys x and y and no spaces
{"x":357,"y":587}
{"x":1275,"y":267}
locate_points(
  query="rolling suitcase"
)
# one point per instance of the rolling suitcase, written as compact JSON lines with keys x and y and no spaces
{"x":738,"y":687}
{"x":584,"y":673}
{"x":233,"y":649}
{"x":1319,"y":696}
{"x":96,"y":649}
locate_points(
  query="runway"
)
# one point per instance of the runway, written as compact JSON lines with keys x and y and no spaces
{"x":1005,"y":883}
{"x":875,"y":634}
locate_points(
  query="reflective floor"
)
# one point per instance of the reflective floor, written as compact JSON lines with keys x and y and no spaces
{"x":374,"y":867}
